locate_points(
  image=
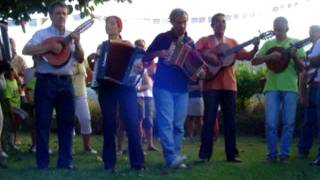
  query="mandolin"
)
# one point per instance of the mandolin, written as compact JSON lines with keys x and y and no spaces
{"x":60,"y":59}
{"x":280,"y":64}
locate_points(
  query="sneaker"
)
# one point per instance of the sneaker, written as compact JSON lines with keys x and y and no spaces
{"x":14,"y":147}
{"x":183,"y":166}
{"x":152,"y":148}
{"x":234,"y":160}
{"x":90,"y":151}
{"x":315,"y":162}
{"x":33,"y":149}
{"x":122,"y":152}
{"x":3,"y":154}
{"x":201,"y":161}
{"x":177,"y":162}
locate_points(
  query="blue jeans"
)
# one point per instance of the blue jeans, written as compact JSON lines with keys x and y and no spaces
{"x":287,"y":102}
{"x":126,"y":97}
{"x":171,"y":112}
{"x":311,"y":119}
{"x":54,"y":93}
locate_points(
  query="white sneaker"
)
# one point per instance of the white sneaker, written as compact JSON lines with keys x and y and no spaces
{"x":177,"y":162}
{"x":183,"y":166}
{"x":33,"y":149}
{"x":90,"y":151}
{"x":4,"y":154}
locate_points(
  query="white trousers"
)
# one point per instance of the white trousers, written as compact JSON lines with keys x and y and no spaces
{"x":83,"y":114}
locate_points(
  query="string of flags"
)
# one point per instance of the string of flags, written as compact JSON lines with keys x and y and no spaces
{"x":202,"y":19}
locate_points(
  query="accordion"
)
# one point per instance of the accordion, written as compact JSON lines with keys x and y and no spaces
{"x":118,"y":62}
{"x":186,"y":58}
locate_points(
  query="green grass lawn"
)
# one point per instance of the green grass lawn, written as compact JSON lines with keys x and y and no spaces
{"x":252,"y":152}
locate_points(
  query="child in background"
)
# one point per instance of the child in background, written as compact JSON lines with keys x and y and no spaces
{"x":11,"y":98}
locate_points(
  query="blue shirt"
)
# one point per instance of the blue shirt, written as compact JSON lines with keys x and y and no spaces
{"x":169,"y":77}
{"x":43,"y":66}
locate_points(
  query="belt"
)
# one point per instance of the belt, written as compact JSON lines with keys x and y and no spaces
{"x":54,"y":76}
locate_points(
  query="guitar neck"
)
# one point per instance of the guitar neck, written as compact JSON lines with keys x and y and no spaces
{"x":84,"y":26}
{"x":238,"y":47}
{"x":302,"y":43}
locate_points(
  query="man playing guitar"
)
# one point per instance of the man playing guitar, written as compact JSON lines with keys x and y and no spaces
{"x":54,"y":88}
{"x":221,"y":90}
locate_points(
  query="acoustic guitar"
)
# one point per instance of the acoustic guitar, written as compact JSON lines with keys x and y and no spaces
{"x":226,"y":55}
{"x":280,"y":64}
{"x":60,"y":59}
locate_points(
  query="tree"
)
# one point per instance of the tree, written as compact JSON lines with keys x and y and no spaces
{"x":20,"y":10}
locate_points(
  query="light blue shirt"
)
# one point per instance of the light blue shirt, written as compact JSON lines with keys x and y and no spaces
{"x":315,"y":52}
{"x":43,"y":66}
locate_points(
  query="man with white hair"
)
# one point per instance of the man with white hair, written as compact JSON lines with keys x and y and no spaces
{"x":170,"y":89}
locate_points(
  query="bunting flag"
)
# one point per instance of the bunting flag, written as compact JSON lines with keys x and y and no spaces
{"x":11,"y":23}
{"x":43,"y":20}
{"x":77,"y":17}
{"x":33,"y":22}
{"x":156,"y":21}
{"x":200,"y":19}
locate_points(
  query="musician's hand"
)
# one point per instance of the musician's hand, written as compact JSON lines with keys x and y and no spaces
{"x":274,"y":55}
{"x":293,"y":52}
{"x":76,"y":37}
{"x":211,"y":58}
{"x":163,"y":54}
{"x":256,"y":42}
{"x":55,"y":47}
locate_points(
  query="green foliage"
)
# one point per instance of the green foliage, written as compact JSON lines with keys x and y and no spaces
{"x":20,"y":10}
{"x":249,"y":82}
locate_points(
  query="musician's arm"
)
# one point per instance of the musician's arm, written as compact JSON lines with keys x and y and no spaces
{"x":36,"y":49}
{"x":260,"y":59}
{"x":298,"y":63}
{"x":245,"y":55}
{"x":78,"y":54}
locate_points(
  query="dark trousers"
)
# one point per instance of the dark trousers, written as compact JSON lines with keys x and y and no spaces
{"x":311,"y":120}
{"x":54,"y":92}
{"x":227,"y":101}
{"x":126,"y":97}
